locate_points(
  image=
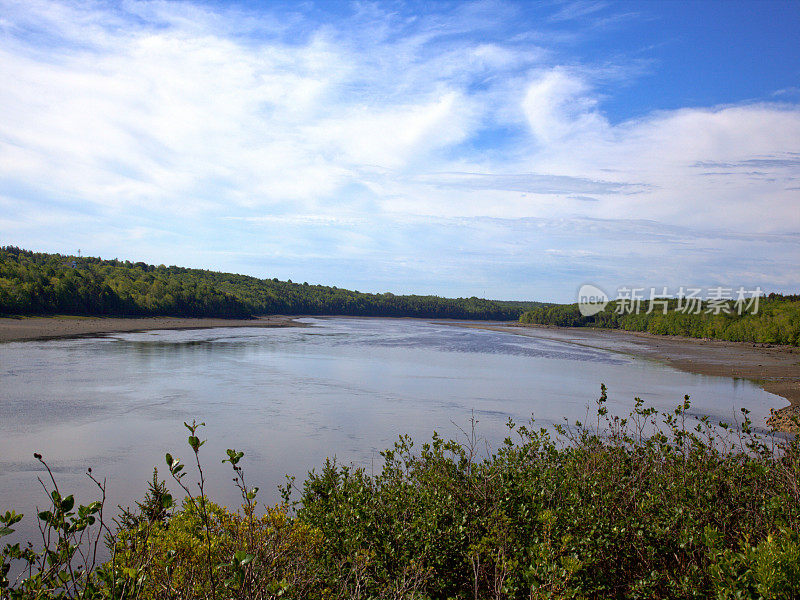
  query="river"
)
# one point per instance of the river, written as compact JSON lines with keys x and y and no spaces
{"x":291,"y":397}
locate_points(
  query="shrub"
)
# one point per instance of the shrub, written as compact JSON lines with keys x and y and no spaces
{"x":648,"y":506}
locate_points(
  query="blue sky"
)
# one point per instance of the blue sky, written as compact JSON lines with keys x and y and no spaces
{"x":500,"y":149}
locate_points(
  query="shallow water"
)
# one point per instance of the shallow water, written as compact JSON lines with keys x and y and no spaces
{"x":291,"y":397}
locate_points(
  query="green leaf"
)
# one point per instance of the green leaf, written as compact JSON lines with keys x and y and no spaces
{"x":243,"y":558}
{"x":10,"y":518}
{"x":6,"y":531}
{"x":67,"y":503}
{"x":247,"y":560}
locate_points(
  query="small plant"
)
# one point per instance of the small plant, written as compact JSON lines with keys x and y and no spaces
{"x":199,"y":502}
{"x":203,"y":550}
{"x":65,"y":564}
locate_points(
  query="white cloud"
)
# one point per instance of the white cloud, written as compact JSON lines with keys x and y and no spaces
{"x":171,"y":115}
{"x":558,"y":106}
{"x":395,"y":137}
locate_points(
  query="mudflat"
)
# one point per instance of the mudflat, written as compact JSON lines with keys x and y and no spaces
{"x":38,"y":328}
{"x":775,"y":368}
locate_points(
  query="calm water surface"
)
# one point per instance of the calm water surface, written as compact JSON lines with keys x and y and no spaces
{"x":291,"y":397}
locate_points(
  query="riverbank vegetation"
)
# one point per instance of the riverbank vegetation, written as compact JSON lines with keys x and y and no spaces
{"x":641,"y":507}
{"x":777,"y":320}
{"x":37,"y":283}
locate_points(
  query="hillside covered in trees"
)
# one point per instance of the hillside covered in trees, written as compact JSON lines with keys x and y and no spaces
{"x":777,"y":320}
{"x":36,"y":283}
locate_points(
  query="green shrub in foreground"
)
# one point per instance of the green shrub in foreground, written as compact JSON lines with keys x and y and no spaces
{"x":643,"y":507}
{"x":601,"y":511}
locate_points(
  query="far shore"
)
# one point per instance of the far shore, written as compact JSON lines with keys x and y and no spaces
{"x":775,"y":368}
{"x":42,"y":328}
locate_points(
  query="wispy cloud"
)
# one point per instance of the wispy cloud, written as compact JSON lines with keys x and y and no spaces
{"x":790,"y":160}
{"x":205,"y":133}
{"x":531,"y":183}
{"x":575,"y":10}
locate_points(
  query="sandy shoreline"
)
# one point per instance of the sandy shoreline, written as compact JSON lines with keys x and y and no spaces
{"x":41,"y":328}
{"x":775,"y":368}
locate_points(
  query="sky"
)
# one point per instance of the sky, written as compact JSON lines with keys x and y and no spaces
{"x":509,"y":150}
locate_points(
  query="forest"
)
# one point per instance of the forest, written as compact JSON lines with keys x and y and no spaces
{"x":37,"y":283}
{"x":777,"y":320}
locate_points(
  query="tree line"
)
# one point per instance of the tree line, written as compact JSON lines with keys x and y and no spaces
{"x":39,"y":283}
{"x":777,"y":320}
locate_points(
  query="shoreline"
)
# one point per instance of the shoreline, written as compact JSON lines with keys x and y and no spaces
{"x":46,"y":328}
{"x":775,"y":368}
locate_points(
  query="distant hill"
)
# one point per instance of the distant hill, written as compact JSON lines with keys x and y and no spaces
{"x":37,"y":283}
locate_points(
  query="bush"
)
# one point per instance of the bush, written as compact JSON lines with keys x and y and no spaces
{"x":646,"y":506}
{"x":603,"y":511}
